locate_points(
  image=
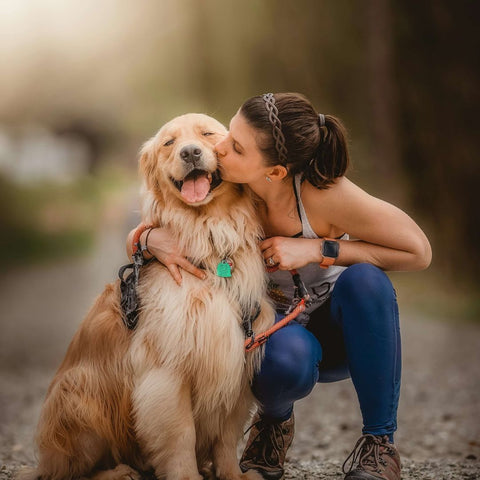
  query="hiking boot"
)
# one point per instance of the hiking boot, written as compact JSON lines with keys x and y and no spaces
{"x":376,"y":459}
{"x":267,"y":447}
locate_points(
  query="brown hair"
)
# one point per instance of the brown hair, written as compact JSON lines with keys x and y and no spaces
{"x":319,"y":152}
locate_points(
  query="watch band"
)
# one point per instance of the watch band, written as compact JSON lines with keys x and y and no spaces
{"x":327,"y":262}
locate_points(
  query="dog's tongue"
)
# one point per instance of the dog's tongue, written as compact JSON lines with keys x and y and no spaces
{"x":195,"y":189}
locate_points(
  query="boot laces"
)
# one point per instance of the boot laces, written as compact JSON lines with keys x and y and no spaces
{"x":269,"y":434}
{"x":367,"y":452}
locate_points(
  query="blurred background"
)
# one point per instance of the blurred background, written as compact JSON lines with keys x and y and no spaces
{"x":83,"y":84}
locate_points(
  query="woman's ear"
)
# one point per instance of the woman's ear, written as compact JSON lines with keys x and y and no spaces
{"x":278,"y":173}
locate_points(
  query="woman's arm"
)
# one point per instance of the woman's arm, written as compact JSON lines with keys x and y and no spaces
{"x":162,"y":246}
{"x":388,"y":237}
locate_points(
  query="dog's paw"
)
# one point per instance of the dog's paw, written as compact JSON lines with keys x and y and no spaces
{"x":26,"y":473}
{"x":251,"y":475}
{"x":207,"y":472}
{"x":120,"y":472}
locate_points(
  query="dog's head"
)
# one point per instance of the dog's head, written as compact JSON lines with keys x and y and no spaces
{"x":180,"y":159}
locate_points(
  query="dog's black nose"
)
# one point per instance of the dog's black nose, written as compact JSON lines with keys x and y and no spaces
{"x":190,"y":153}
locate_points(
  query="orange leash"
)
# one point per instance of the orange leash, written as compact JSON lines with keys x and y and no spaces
{"x":254,"y":342}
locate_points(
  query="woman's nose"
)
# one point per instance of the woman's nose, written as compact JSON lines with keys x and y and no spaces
{"x":219,"y":148}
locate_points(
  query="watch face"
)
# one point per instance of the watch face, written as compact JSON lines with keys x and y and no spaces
{"x":330,"y":248}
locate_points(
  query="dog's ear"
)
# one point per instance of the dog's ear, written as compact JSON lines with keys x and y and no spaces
{"x":148,"y":161}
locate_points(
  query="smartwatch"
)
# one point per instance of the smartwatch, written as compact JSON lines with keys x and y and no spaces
{"x":330,"y":249}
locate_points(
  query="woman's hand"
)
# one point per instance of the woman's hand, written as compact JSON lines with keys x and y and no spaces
{"x":162,"y":245}
{"x":289,"y":253}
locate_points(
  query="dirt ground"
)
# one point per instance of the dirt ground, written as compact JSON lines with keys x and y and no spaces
{"x":439,"y":427}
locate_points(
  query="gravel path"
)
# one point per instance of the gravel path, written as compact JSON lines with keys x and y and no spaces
{"x":439,"y":427}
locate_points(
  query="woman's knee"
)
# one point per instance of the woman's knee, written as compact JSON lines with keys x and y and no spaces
{"x":363,"y":281}
{"x":363,"y":297}
{"x":291,"y":359}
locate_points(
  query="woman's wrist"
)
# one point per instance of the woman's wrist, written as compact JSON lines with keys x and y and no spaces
{"x":143,"y":240}
{"x":314,"y":251}
{"x":138,"y":240}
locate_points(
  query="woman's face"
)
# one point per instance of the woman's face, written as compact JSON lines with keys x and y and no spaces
{"x":239,"y":158}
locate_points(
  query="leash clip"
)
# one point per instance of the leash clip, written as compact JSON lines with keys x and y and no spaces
{"x":296,"y":300}
{"x":300,"y":292}
{"x":250,"y":344}
{"x":129,"y":300}
{"x":255,"y":342}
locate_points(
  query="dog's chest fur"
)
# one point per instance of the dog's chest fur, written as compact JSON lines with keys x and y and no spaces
{"x":195,"y":329}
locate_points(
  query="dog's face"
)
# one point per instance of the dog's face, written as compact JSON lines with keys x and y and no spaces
{"x":180,"y":159}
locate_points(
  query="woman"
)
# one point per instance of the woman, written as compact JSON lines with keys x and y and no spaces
{"x":294,"y":161}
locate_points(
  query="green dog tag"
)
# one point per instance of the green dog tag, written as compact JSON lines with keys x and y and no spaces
{"x":224,"y":269}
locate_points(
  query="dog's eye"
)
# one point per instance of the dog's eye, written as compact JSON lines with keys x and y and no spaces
{"x":206,"y":134}
{"x":170,"y":142}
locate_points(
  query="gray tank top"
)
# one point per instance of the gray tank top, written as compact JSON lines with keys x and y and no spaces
{"x":319,"y":281}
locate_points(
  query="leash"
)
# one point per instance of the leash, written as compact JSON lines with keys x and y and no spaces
{"x":255,"y":341}
{"x":299,"y":304}
{"x":129,"y":300}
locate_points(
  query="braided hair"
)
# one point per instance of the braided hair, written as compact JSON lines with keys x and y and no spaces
{"x":296,"y":137}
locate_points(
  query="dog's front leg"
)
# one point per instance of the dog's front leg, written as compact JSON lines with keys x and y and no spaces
{"x":164,"y":425}
{"x":225,"y":449}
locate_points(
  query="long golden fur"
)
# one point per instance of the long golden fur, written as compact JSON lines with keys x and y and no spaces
{"x":172,"y":395}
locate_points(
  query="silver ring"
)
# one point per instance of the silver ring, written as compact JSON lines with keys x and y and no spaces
{"x":270,"y":261}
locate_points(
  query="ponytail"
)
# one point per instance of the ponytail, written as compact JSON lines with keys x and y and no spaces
{"x":331,"y":158}
{"x":292,"y":134}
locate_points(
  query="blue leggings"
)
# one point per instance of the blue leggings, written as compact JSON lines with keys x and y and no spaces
{"x":355,"y":334}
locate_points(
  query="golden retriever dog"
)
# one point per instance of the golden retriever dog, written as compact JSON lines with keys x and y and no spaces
{"x":171,"y":396}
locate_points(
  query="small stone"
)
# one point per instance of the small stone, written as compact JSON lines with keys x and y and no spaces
{"x":471,"y":457}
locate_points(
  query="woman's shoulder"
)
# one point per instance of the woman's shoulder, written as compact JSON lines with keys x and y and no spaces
{"x":331,"y":206}
{"x":324,"y":207}
{"x":336,"y":194}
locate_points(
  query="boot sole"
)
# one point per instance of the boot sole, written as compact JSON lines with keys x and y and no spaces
{"x":362,"y":476}
{"x":264,"y":474}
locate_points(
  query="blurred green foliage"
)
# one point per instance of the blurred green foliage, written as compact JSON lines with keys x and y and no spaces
{"x":403,"y":76}
{"x":46,"y":221}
